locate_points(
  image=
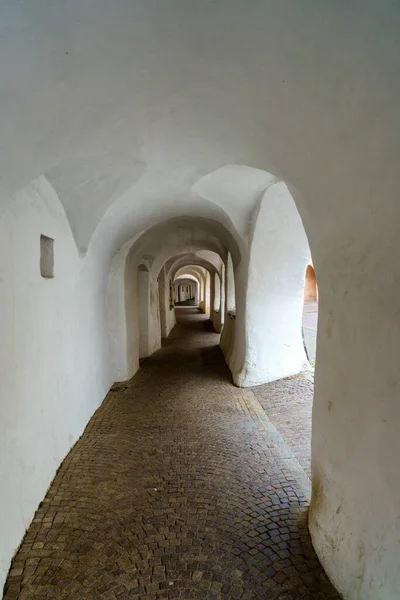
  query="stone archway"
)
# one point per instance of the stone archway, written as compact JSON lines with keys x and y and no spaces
{"x":310,"y":286}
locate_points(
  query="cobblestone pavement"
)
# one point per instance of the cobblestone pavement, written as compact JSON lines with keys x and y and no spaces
{"x":288,"y":404}
{"x":176,"y":490}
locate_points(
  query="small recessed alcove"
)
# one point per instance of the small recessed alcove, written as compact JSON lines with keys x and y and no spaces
{"x":46,"y":257}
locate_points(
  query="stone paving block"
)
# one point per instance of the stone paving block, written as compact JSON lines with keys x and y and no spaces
{"x":288,"y":404}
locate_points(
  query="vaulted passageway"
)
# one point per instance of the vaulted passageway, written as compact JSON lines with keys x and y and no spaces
{"x":229,"y":141}
{"x":175,"y":490}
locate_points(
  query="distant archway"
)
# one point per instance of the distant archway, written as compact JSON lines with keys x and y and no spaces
{"x":217,"y":293}
{"x":186,"y":291}
{"x":310,"y":314}
{"x":230,"y":287}
{"x":310,"y":287}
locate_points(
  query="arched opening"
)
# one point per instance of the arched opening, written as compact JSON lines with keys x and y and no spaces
{"x":230,"y":288}
{"x":310,"y":314}
{"x":216,"y":309}
{"x":229,"y":330}
{"x":202,"y":292}
{"x":207,"y":303}
{"x":186,"y":291}
{"x":175,"y":244}
{"x":310,"y":286}
{"x":112,"y":145}
{"x":146,"y":299}
{"x":143,"y":295}
{"x":217,"y":293}
{"x":164,"y":301}
{"x":223,"y":294}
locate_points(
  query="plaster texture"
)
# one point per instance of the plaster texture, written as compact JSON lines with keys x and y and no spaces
{"x":133,"y":133}
{"x":50,"y":327}
{"x":275,"y":291}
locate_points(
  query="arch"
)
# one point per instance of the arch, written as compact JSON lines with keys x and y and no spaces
{"x":229,"y":330}
{"x":157,"y":247}
{"x":217,"y":295}
{"x":216,"y":312}
{"x":153,"y":216}
{"x":310,"y":286}
{"x":146,"y":132}
{"x":182,"y":235}
{"x":223,"y":302}
{"x":191,"y":272}
{"x":206,"y":290}
{"x":165,"y":298}
{"x":208,"y":293}
{"x":204,"y":285}
{"x":230,"y":288}
{"x":198,"y":275}
{"x":195,"y":264}
{"x":182,"y":263}
{"x":193,"y":282}
{"x":186,"y":290}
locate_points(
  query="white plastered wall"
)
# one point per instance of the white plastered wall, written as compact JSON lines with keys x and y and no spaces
{"x":308,"y":90}
{"x":143,"y":291}
{"x":49,"y":387}
{"x":164,"y":301}
{"x":209,"y":294}
{"x":167,"y":310}
{"x":228,"y":341}
{"x":217,"y":305}
{"x":346,"y":322}
{"x":126,"y":346}
{"x":279,"y":254}
{"x":354,"y":516}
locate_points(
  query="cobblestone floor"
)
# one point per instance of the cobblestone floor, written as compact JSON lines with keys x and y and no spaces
{"x":176,"y":490}
{"x":288,"y":404}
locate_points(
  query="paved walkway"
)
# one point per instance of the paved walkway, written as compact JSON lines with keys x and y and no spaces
{"x":288,"y":404}
{"x":310,"y":321}
{"x":180,"y":487}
